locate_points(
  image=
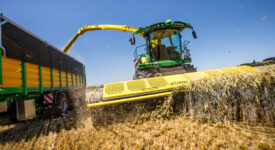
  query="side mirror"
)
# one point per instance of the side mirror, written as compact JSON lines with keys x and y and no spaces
{"x":132,"y":40}
{"x":194,"y":34}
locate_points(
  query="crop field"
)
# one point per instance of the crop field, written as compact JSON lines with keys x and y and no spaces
{"x":227,"y":112}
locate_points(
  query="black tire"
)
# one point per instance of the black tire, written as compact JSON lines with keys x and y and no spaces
{"x":12,"y":116}
{"x":12,"y":113}
{"x":189,"y":68}
{"x":61,"y":106}
{"x":63,"y":103}
{"x":164,"y":71}
{"x":146,"y":73}
{"x":6,"y":121}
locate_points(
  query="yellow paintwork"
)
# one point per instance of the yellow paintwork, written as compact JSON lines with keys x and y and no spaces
{"x":46,"y":77}
{"x":128,"y":99}
{"x":56,"y":78}
{"x":11,"y":70}
{"x":98,"y":27}
{"x":143,"y":60}
{"x":12,"y":75}
{"x":168,"y":21}
{"x":70,"y":79}
{"x":81,"y":80}
{"x":77,"y":83}
{"x":132,"y":89}
{"x":154,"y":43}
{"x":32,"y":72}
{"x":64,"y":78}
{"x":73,"y":79}
{"x":78,"y":80}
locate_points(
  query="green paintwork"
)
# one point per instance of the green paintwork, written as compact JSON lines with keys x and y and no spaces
{"x":20,"y":90}
{"x":67,"y":84}
{"x":3,"y":117}
{"x":164,"y":63}
{"x":24,"y":78}
{"x":13,"y":94}
{"x":60,"y":77}
{"x":178,"y":25}
{"x":84,"y":76}
{"x":186,"y":60}
{"x":40,"y":78}
{"x":72,"y":80}
{"x":1,"y":81}
{"x":162,"y":25}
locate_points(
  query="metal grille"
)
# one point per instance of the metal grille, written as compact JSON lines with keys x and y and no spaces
{"x":157,"y":82}
{"x":115,"y":88}
{"x":213,"y":73}
{"x":136,"y":85}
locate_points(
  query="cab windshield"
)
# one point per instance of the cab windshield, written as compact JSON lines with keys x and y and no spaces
{"x":166,"y":45}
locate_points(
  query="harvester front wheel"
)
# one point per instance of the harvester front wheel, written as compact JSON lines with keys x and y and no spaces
{"x":146,"y":73}
{"x":163,"y":71}
{"x":189,"y":68}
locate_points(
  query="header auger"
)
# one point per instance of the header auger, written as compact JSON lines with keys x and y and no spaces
{"x":163,"y":64}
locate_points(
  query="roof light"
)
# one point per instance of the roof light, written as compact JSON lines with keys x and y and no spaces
{"x":168,"y":21}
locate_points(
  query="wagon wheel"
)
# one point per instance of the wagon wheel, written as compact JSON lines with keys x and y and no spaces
{"x":62,"y":102}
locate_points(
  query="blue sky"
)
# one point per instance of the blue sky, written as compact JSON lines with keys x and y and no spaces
{"x":230,"y":32}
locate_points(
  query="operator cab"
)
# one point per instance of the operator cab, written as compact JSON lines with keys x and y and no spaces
{"x":163,"y":47}
{"x":165,"y":44}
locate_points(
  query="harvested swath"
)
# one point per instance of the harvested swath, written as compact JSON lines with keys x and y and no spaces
{"x":173,"y":133}
{"x":239,"y":97}
{"x":125,"y":112}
